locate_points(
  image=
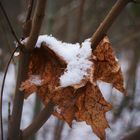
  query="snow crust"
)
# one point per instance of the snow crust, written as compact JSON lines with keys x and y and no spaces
{"x":36,"y":79}
{"x":77,"y":56}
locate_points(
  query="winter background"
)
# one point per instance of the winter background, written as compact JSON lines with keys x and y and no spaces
{"x":62,"y":21}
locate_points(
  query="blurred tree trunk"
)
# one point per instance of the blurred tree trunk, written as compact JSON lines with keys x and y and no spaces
{"x":58,"y":130}
{"x":131,"y":84}
{"x":51,"y":9}
{"x":134,"y":135}
{"x":79,"y":21}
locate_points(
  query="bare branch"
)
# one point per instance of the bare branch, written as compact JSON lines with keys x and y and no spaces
{"x":134,"y":135}
{"x":36,"y":24}
{"x":15,"y":119}
{"x":38,"y":122}
{"x":108,"y":21}
{"x":28,"y":22}
{"x":9,"y":24}
{"x":30,"y":8}
{"x":2,"y":89}
{"x":14,"y":132}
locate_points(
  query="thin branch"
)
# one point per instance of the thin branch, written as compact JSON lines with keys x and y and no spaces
{"x":38,"y":122}
{"x":108,"y":21}
{"x":9,"y":110}
{"x":2,"y":89}
{"x":9,"y":24}
{"x":28,"y":22}
{"x":30,"y":9}
{"x":36,"y":24}
{"x":134,"y":135}
{"x":127,"y":39}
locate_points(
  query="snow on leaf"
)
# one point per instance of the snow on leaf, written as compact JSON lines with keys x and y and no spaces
{"x":82,"y":101}
{"x":75,"y":55}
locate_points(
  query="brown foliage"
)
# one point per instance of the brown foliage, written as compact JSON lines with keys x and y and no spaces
{"x":83,"y":104}
{"x":107,"y":67}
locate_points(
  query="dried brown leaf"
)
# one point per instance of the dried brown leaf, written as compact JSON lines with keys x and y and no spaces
{"x":92,"y":108}
{"x":84,"y":103}
{"x":107,"y":67}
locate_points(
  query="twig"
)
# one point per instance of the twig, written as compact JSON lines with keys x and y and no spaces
{"x":36,"y":24}
{"x":127,"y":39}
{"x":134,"y":135}
{"x":2,"y":89}
{"x":9,"y":110}
{"x":30,"y":8}
{"x":9,"y":24}
{"x":38,"y":122}
{"x":108,"y":21}
{"x":28,"y":22}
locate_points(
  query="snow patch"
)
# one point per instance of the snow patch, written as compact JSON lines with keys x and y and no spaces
{"x":57,"y":109}
{"x":36,"y":79}
{"x":77,"y":56}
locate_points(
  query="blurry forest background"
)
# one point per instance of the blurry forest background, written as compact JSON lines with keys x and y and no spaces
{"x":73,"y":21}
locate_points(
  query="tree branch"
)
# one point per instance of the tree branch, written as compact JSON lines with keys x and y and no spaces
{"x":108,"y":21}
{"x":30,"y":9}
{"x":14,"y":132}
{"x":2,"y":89}
{"x":28,"y":22}
{"x":134,"y":135}
{"x":38,"y":122}
{"x":36,"y":24}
